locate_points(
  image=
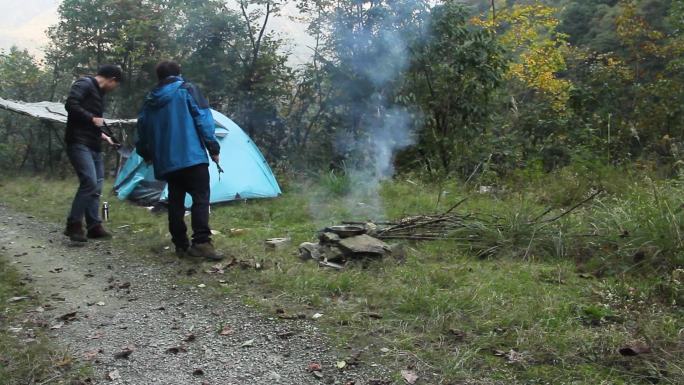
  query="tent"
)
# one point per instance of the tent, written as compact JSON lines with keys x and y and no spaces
{"x":246,"y":176}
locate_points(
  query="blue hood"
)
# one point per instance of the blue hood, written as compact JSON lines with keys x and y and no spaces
{"x":174,"y":131}
{"x":162,"y":95}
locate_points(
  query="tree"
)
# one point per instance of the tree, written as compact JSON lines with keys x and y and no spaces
{"x":453,"y":79}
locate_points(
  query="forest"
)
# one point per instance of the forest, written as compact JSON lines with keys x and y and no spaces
{"x":450,"y":89}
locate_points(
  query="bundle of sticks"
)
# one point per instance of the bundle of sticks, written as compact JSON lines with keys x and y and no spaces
{"x":445,"y":225}
{"x":421,"y":227}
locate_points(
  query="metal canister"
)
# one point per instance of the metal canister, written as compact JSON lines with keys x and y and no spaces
{"x":105,"y":211}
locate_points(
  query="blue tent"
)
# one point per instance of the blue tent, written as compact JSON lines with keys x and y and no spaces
{"x":246,"y":173}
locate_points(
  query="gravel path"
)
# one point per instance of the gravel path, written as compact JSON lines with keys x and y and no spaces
{"x":128,"y":317}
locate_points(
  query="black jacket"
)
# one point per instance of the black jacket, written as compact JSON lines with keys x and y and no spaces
{"x":84,"y":102}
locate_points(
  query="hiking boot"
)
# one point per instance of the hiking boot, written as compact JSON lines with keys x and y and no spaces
{"x":98,"y":232}
{"x":204,"y":250}
{"x":181,"y":252}
{"x":75,"y":232}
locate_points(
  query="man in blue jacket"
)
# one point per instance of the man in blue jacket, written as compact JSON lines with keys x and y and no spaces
{"x":175,"y":131}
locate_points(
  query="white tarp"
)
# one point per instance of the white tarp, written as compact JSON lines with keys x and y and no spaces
{"x":50,"y":111}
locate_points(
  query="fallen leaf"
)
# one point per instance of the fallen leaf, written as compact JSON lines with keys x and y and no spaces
{"x":458,"y":335}
{"x":68,"y":317}
{"x":514,"y":356}
{"x":226,"y":331}
{"x":96,"y":336}
{"x":91,"y":355}
{"x":123,"y":354}
{"x":17,"y":299}
{"x":113,"y":375}
{"x":247,"y":344}
{"x":237,"y":231}
{"x":100,"y":304}
{"x":318,"y":374}
{"x":285,"y":335}
{"x":190,"y":337}
{"x":341,"y":364}
{"x":216,"y":269}
{"x":57,"y":326}
{"x":409,"y":376}
{"x":64,"y":362}
{"x":176,"y":350}
{"x":201,"y":285}
{"x":635,"y":349}
{"x":317,"y":316}
{"x":384,"y":350}
{"x":314,"y":367}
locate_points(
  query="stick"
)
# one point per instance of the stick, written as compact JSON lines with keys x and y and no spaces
{"x":571,"y":209}
{"x":456,"y":205}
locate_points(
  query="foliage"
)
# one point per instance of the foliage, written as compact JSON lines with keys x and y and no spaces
{"x":474,"y":93}
{"x":452,"y":80}
{"x":529,"y":33}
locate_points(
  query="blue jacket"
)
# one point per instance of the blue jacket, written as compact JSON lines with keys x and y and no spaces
{"x":173,"y":118}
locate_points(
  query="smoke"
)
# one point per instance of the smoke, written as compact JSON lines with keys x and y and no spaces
{"x":377,"y":55}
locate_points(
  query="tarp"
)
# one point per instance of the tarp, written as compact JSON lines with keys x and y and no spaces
{"x":50,"y":111}
{"x":247,"y":174}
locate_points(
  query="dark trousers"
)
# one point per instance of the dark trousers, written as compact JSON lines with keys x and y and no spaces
{"x":89,"y":167}
{"x":194,"y":181}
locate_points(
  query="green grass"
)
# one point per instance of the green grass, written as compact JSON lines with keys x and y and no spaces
{"x":28,"y":360}
{"x":443,"y":309}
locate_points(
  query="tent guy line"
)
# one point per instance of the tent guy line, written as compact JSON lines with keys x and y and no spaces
{"x":51,"y":111}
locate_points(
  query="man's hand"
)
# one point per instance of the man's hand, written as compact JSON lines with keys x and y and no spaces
{"x":98,"y":122}
{"x":215,"y":158}
{"x":108,"y":140}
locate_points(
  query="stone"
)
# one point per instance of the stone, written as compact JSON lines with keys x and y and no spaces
{"x":309,"y":250}
{"x":328,"y":237}
{"x":364,"y":245}
{"x":277,"y":243}
{"x":333,"y":253}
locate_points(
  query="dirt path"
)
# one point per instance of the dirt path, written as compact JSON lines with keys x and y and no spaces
{"x":123,"y":302}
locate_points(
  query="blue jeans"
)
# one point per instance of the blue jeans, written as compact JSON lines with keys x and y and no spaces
{"x":89,"y":167}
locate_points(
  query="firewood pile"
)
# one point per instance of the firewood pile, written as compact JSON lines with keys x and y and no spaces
{"x":338,"y":245}
{"x":421,"y":227}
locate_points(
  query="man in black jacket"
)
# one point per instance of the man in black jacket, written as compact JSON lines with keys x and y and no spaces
{"x":85,"y":107}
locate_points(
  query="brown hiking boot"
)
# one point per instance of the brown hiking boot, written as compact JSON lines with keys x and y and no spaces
{"x":204,"y":250}
{"x":98,"y":232}
{"x":75,"y":232}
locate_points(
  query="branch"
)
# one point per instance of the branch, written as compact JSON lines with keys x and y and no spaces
{"x":249,"y":24}
{"x":261,"y":35}
{"x":573,"y":208}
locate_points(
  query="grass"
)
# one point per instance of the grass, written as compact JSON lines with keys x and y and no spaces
{"x":27,"y":357}
{"x":549,"y":306}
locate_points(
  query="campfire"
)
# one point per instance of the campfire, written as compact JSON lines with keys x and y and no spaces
{"x":351,"y":241}
{"x":339,"y":244}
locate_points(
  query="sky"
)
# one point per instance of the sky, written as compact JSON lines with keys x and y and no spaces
{"x":23,"y":23}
